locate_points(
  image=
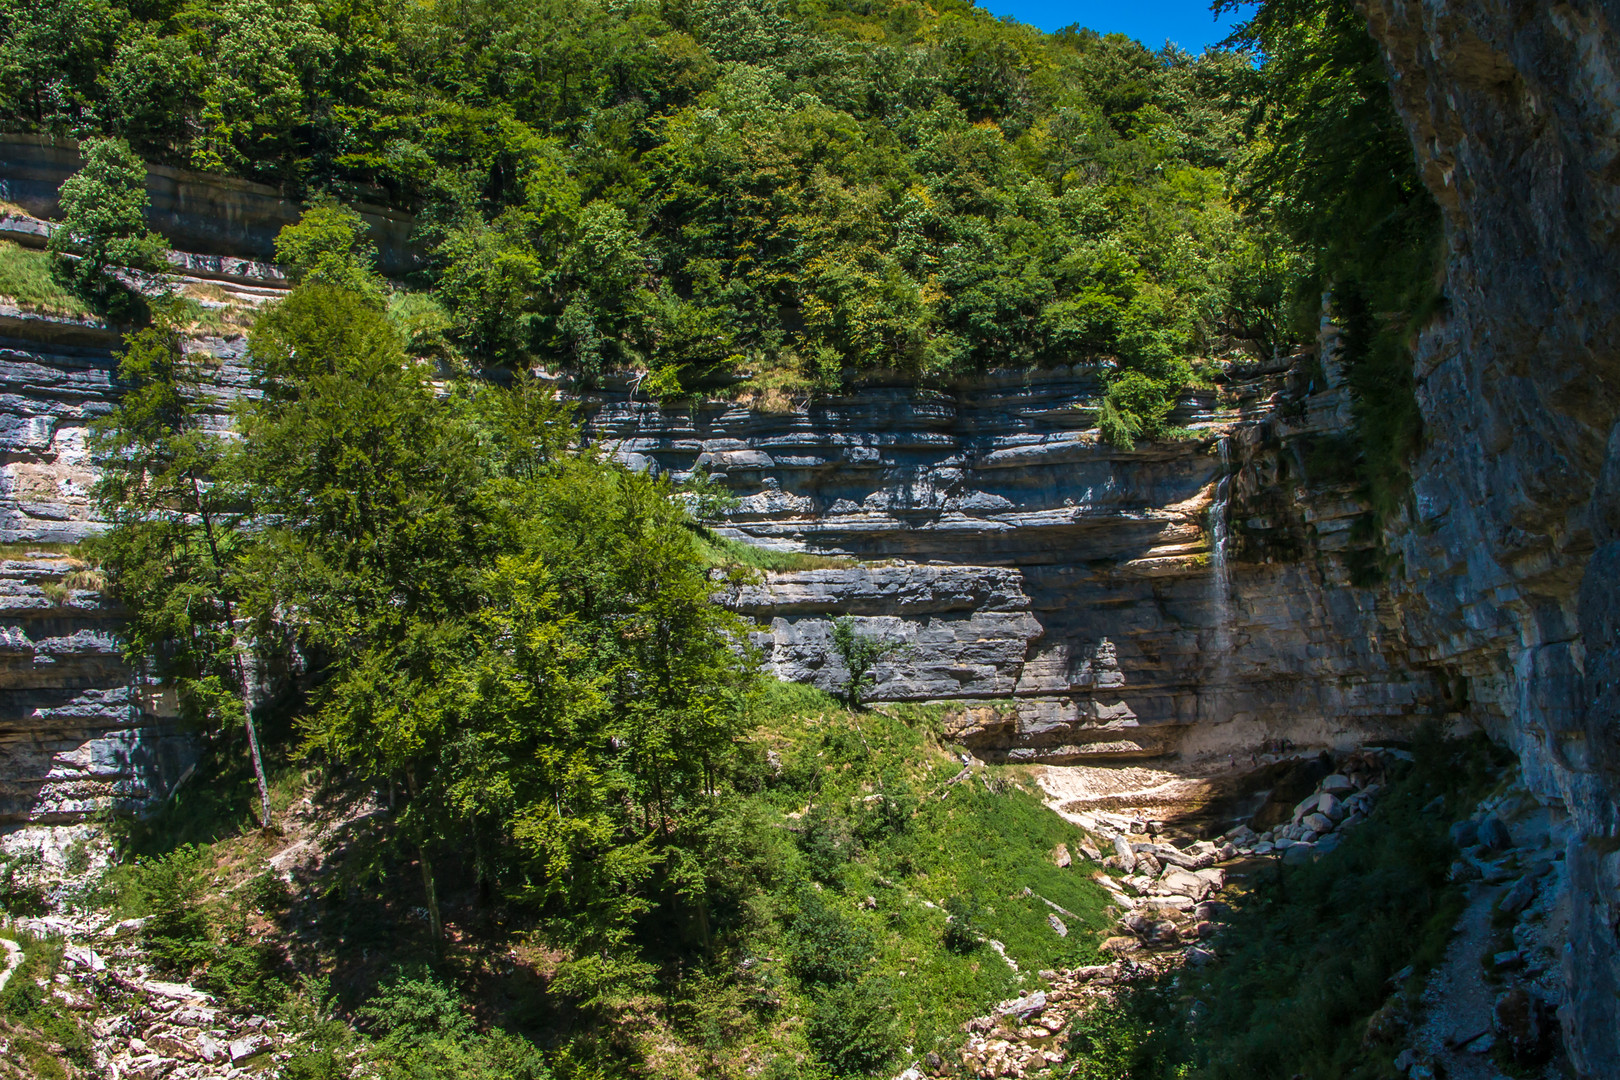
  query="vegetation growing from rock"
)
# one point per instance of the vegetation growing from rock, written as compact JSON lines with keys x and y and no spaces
{"x":1334,"y":169}
{"x":176,"y":553}
{"x":103,"y":231}
{"x":28,"y":278}
{"x":503,"y":662}
{"x":793,"y":193}
{"x":859,"y":653}
{"x":818,"y":865}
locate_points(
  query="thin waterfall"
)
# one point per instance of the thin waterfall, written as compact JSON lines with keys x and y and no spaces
{"x":1220,"y":532}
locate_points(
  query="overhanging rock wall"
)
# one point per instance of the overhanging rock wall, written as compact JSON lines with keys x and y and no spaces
{"x":1513,"y":561}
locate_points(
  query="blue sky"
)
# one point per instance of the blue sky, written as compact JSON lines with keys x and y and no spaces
{"x":1188,"y":23}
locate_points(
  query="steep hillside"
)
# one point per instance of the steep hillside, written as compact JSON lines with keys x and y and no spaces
{"x":779,"y":191}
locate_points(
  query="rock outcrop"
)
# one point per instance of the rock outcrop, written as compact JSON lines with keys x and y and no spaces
{"x":78,"y":731}
{"x":1191,"y":602}
{"x":1513,"y":559}
{"x":210,"y":214}
{"x":55,"y":380}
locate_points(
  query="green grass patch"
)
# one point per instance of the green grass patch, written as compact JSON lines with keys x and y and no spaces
{"x":22,"y":549}
{"x":25,"y":276}
{"x":877,"y":838}
{"x":44,"y":1038}
{"x":717,"y":550}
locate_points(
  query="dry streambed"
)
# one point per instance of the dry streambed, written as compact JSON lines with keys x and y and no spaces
{"x":1165,"y":888}
{"x":1489,"y":1005}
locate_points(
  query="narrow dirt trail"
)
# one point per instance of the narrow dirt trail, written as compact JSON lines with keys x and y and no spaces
{"x":1457,"y":1001}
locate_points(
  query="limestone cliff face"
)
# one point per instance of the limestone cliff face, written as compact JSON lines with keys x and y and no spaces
{"x":1068,"y":593}
{"x":55,"y":379}
{"x":79,"y":732}
{"x":1513,"y":561}
{"x":1070,"y":589}
{"x":1071,"y":595}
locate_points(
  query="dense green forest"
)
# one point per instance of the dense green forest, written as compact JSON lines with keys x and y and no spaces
{"x":512,"y":640}
{"x":785,"y":191}
{"x":795,"y":192}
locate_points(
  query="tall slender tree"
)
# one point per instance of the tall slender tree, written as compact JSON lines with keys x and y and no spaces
{"x":178,"y":543}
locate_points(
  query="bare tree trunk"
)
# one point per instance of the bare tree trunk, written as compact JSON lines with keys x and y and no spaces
{"x":435,"y":924}
{"x":245,"y":674}
{"x":241,"y":650}
{"x":703,"y":927}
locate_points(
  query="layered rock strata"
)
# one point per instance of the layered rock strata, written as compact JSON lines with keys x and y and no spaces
{"x":1066,"y":590}
{"x":78,"y":732}
{"x":56,"y":378}
{"x":213,"y":215}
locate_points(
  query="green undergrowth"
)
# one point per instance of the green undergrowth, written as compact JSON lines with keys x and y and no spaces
{"x":870,"y":873}
{"x":879,"y":835}
{"x":868,"y":880}
{"x":39,"y":1038}
{"x":1311,"y":953}
{"x":26,"y":277}
{"x":21,"y":549}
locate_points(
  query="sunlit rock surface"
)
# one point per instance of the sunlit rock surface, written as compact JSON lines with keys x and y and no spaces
{"x":1019,"y":559}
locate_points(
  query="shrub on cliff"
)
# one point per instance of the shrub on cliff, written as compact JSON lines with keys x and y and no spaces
{"x":169,"y":889}
{"x":329,"y":245}
{"x":860,"y":653}
{"x":103,"y":230}
{"x":1137,"y":404}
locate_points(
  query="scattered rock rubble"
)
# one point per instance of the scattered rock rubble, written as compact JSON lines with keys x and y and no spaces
{"x":147,"y":1028}
{"x":1167,"y":891}
{"x":1025,"y":1034}
{"x":1169,"y":912}
{"x":1342,"y":800}
{"x":1490,"y":1005}
{"x":151,"y":1029}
